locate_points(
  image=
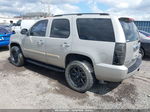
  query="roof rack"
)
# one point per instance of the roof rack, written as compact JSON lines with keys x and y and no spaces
{"x":79,"y":14}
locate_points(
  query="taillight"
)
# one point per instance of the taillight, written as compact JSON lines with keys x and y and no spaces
{"x":119,"y":54}
{"x":126,"y":19}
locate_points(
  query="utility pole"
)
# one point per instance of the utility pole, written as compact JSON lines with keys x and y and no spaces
{"x":49,"y":9}
{"x":47,"y":4}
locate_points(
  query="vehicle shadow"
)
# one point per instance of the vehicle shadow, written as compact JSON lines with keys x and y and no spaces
{"x":98,"y":88}
{"x":4,"y":49}
{"x":104,"y":88}
{"x":60,"y":77}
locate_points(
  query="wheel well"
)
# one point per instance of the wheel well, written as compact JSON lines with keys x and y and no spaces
{"x":143,"y":50}
{"x":72,"y":57}
{"x":14,"y":44}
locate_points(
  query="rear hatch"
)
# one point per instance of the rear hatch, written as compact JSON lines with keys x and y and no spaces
{"x":132,"y":40}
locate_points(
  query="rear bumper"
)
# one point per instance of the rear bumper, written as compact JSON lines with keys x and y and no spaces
{"x":115,"y":73}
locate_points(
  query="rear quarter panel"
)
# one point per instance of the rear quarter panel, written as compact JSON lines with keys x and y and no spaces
{"x":98,"y":51}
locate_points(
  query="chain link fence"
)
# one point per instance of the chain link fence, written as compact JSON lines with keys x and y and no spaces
{"x":143,"y":25}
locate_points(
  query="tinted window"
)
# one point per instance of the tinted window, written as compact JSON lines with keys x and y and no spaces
{"x":39,"y":29}
{"x":18,"y":23}
{"x":130,"y":30}
{"x":60,"y":28}
{"x":95,"y":29}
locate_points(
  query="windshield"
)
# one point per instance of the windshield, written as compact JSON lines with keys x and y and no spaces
{"x":130,"y":30}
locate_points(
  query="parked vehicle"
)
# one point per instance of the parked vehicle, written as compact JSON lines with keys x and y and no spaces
{"x":85,"y":46}
{"x":17,"y":27}
{"x":145,"y":33}
{"x":6,"y":26}
{"x":4,"y":36}
{"x":145,"y":43}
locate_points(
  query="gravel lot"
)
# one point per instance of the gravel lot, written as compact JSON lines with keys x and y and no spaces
{"x":34,"y":87}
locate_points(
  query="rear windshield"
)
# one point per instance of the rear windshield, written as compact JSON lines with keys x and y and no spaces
{"x":95,"y":29}
{"x":130,"y":30}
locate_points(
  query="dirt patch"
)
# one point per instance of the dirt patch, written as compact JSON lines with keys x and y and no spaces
{"x":126,"y":91}
{"x":11,"y":68}
{"x":67,"y":92}
{"x":58,"y":81}
{"x":109,"y":98}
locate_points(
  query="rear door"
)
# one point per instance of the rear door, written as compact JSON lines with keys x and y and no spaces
{"x":132,"y":40}
{"x":58,"y":44}
{"x":34,"y":44}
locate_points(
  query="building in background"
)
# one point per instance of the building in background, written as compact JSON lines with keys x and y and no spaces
{"x":143,"y":25}
{"x":34,"y":15}
{"x":6,"y":20}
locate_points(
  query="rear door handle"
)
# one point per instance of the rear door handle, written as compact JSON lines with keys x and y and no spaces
{"x":65,"y":45}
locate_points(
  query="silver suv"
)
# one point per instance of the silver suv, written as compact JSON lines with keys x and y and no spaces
{"x":85,"y":46}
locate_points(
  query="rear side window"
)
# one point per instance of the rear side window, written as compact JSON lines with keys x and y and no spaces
{"x":130,"y":30}
{"x":60,"y":28}
{"x":95,"y":29}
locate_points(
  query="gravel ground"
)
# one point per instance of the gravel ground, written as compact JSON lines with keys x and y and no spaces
{"x":33,"y":87}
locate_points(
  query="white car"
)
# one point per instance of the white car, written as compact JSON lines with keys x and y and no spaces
{"x":21,"y":24}
{"x":85,"y":46}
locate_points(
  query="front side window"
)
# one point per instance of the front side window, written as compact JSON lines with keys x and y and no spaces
{"x":39,"y":29}
{"x":95,"y":29}
{"x":60,"y":28}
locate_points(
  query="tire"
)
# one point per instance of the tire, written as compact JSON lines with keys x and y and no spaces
{"x":16,"y":56}
{"x":79,"y":76}
{"x":142,"y":52}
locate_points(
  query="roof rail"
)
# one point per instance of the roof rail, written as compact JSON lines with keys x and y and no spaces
{"x":79,"y":14}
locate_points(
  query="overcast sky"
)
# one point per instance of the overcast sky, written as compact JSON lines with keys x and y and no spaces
{"x":138,"y":9}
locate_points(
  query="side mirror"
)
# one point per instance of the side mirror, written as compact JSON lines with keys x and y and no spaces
{"x":13,"y":32}
{"x":24,"y":31}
